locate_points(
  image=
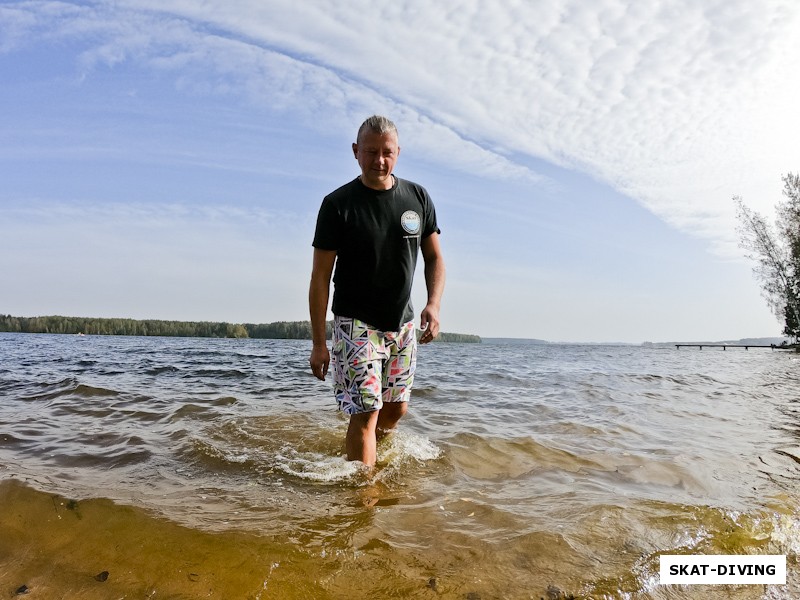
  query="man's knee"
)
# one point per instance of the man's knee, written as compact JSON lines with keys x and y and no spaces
{"x":364,"y":422}
{"x":391,"y":413}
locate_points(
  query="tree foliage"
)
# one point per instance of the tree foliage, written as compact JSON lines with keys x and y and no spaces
{"x":97,"y":326}
{"x":284,"y":330}
{"x":776,"y":252}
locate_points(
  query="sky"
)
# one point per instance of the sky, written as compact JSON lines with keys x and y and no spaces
{"x":166,"y":159}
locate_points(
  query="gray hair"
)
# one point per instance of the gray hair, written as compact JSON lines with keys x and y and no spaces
{"x":377,"y":124}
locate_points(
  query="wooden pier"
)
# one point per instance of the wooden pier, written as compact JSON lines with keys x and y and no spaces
{"x":726,"y":346}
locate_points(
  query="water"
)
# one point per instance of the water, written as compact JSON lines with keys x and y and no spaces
{"x":200,"y":468}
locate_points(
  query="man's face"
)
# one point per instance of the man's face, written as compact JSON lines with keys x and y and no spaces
{"x":376,"y":154}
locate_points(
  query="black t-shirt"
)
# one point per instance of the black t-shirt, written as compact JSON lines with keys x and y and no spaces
{"x":377,"y":236}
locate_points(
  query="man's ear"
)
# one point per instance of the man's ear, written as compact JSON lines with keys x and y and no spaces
{"x":355,"y":150}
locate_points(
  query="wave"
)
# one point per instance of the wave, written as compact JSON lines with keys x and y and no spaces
{"x":68,"y":387}
{"x":161,"y":370}
{"x":657,"y":528}
{"x":303,"y":450}
{"x":217,"y":374}
{"x":396,"y":454}
{"x":318,"y":468}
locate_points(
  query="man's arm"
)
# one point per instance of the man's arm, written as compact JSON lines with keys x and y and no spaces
{"x":318,"y":294}
{"x":434,"y":281}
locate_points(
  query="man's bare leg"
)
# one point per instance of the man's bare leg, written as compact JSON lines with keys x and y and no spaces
{"x":388,"y":416}
{"x":361,"y":439}
{"x":366,"y":429}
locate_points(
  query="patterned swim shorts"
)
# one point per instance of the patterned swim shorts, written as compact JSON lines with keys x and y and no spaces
{"x":370,"y":366}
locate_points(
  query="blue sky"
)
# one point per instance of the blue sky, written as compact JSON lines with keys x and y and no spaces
{"x":166,"y":159}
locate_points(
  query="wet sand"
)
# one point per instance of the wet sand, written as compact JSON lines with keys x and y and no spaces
{"x":61,"y":548}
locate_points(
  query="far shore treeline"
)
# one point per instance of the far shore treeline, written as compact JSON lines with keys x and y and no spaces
{"x":285,"y":330}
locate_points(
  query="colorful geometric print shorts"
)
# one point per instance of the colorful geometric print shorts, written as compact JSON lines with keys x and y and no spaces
{"x":370,"y":366}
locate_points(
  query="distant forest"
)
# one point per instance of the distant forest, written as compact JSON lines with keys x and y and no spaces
{"x":284,"y":330}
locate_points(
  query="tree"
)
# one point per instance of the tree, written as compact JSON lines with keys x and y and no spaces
{"x":776,"y":252}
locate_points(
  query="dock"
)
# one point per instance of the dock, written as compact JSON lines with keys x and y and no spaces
{"x":726,"y":346}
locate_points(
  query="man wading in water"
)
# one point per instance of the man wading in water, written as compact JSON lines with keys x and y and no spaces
{"x":373,"y":229}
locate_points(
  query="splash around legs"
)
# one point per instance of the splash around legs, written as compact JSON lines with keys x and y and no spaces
{"x":366,"y":429}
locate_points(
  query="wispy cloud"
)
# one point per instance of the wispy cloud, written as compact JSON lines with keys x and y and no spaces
{"x":678,"y":104}
{"x":219,"y":52}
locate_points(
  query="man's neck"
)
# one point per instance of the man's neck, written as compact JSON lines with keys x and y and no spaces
{"x":383,"y":184}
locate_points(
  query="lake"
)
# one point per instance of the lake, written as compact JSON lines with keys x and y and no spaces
{"x":135,"y":467}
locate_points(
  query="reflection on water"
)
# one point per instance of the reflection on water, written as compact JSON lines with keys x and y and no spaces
{"x":189,"y":468}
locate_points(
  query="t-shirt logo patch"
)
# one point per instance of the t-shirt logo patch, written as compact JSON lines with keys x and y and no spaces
{"x":410,"y":222}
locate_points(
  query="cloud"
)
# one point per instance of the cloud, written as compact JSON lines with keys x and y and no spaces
{"x":678,"y":104}
{"x":206,"y":59}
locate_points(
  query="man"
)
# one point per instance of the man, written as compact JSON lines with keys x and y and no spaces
{"x":373,"y":229}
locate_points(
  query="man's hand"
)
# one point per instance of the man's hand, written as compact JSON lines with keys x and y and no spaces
{"x":319,"y":361}
{"x":429,"y":324}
